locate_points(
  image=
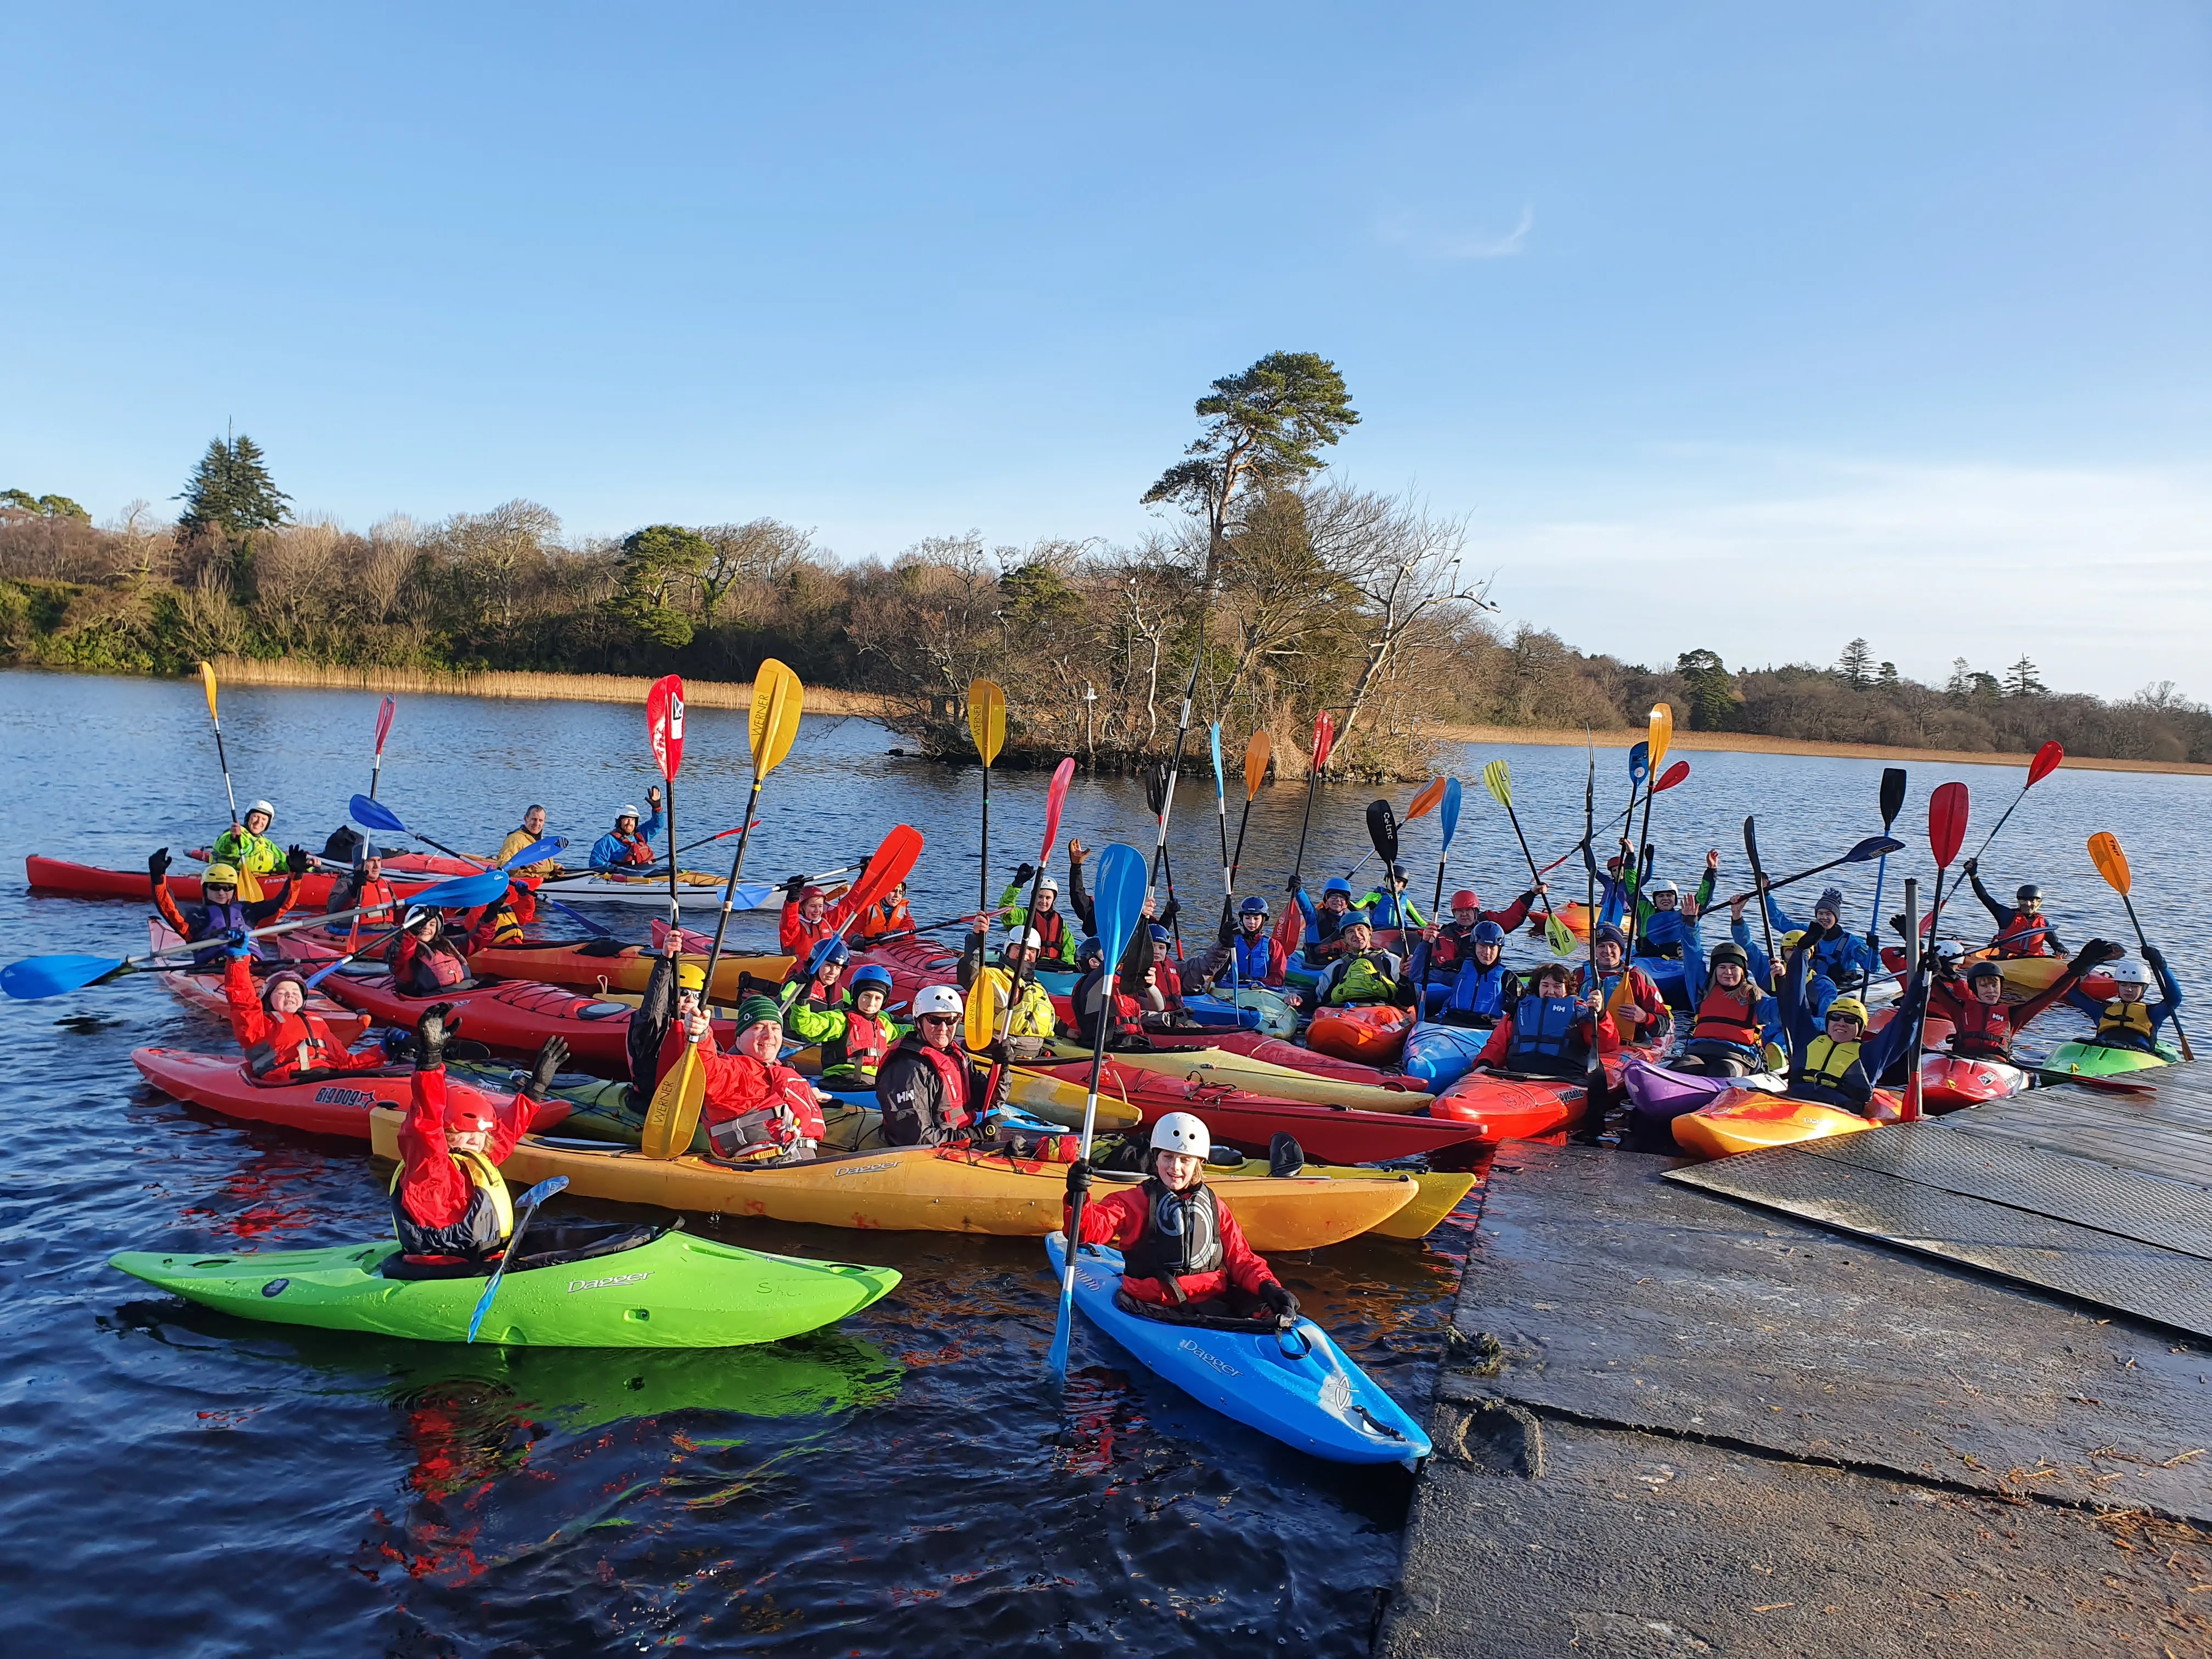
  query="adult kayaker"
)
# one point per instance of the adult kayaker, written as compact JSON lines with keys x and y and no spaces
{"x":280,"y":1038}
{"x":1165,"y":975}
{"x":1667,"y":929}
{"x":808,"y":917}
{"x":1080,"y":900}
{"x":2021,"y":929}
{"x":426,"y":959}
{"x":246,"y":848}
{"x":532,"y":831}
{"x":1484,"y":988}
{"x":931,"y":1093}
{"x":1244,"y":947}
{"x":1181,"y":1249}
{"x":1831,"y":1068}
{"x":1057,"y":941}
{"x":221,"y":909}
{"x":887,"y":917}
{"x":1363,"y":975}
{"x":1449,"y":942}
{"x":755,"y":1109}
{"x":1638,"y":1007}
{"x":364,"y":887}
{"x":1325,"y":921}
{"x":1031,"y":1026}
{"x":1125,"y":1006}
{"x":628,"y":845}
{"x":2128,"y":1020}
{"x":1730,"y":1030}
{"x":1836,"y":957}
{"x":1386,"y":905}
{"x":1550,"y":1030}
{"x":448,"y":1200}
{"x":855,"y":1039}
{"x":1982,"y":1024}
{"x":503,"y":922}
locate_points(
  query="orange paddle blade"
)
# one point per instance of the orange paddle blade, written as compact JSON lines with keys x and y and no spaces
{"x":1257,"y":754}
{"x":2105,"y":852}
{"x":1425,"y":802}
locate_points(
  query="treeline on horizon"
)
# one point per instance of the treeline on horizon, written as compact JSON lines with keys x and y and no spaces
{"x":1321,"y":595}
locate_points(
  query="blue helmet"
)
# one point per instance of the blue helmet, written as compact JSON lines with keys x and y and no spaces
{"x":870,"y":976}
{"x":1160,"y":934}
{"x":1336,"y":884}
{"x":830,"y":953}
{"x":1487,"y":932}
{"x":1092,"y":946}
{"x":1253,"y":906}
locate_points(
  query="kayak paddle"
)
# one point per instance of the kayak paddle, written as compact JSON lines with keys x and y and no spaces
{"x":2045,"y":763}
{"x":51,"y":976}
{"x":1257,"y":753}
{"x":1117,"y":907}
{"x":1759,"y":891}
{"x":1447,"y":820}
{"x":1947,"y":829}
{"x":384,"y":713}
{"x":1497,"y":778}
{"x":664,"y":729}
{"x":525,"y":1208}
{"x":1159,"y":796}
{"x":1672,"y":776}
{"x":986,"y":725}
{"x":1662,"y":733}
{"x":1056,"y":798}
{"x":1324,"y":736}
{"x":1419,"y":807}
{"x":371,"y":813}
{"x":1874,"y":846}
{"x":778,"y":700}
{"x":1893,"y":800}
{"x":2111,"y":862}
{"x":1221,"y":817}
{"x":207,"y":684}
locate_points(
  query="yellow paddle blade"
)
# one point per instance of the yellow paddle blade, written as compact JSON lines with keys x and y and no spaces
{"x":1425,"y":802}
{"x":1257,"y":754}
{"x":778,"y":701}
{"x":1497,"y":778}
{"x":2111,"y":863}
{"x":979,"y":1033}
{"x":674,"y":1114}
{"x":986,"y":718}
{"x":1557,"y":936}
{"x":1662,"y":733}
{"x":206,"y":683}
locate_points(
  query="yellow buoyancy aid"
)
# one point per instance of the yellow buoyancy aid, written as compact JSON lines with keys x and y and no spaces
{"x":1828,"y":1062}
{"x":2126,"y":1023}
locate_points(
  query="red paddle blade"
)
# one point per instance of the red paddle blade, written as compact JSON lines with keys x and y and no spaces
{"x":664,"y":722}
{"x":892,"y":864}
{"x":1947,"y":822}
{"x":2045,"y":763}
{"x":1673,"y":775}
{"x":1324,"y":739}
{"x":1054,"y":799}
{"x":389,"y":707}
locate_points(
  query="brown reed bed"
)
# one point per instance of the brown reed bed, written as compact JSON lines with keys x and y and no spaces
{"x":572,"y":688}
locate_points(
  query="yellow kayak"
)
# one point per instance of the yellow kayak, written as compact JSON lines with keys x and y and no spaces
{"x":1747,"y":1121}
{"x":1262,"y":1077}
{"x":628,"y":967}
{"x":1440,"y":1192}
{"x":921,"y":1190}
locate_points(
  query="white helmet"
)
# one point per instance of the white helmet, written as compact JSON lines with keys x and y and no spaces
{"x":261,"y":806}
{"x":1026,"y":936}
{"x":937,"y":1000}
{"x":2128,"y":971}
{"x":1180,"y":1132}
{"x":1049,"y":886}
{"x":622,"y":812}
{"x":1659,"y":887}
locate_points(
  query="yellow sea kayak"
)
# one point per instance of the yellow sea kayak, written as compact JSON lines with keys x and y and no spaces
{"x":1440,"y":1193}
{"x":626,"y":968}
{"x":921,"y":1189}
{"x":1262,"y":1076}
{"x":1747,"y":1121}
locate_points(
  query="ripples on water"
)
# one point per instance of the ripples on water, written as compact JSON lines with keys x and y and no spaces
{"x":179,"y":1482}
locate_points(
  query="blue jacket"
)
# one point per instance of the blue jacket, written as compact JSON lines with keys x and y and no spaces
{"x":607,"y":852}
{"x":1804,"y":1020}
{"x":2160,"y":1011}
{"x":1842,"y":961}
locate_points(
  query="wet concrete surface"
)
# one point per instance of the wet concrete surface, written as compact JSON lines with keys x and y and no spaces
{"x":1672,"y":1423}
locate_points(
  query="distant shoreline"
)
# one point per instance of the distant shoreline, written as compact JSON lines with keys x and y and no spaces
{"x":1755,"y":743}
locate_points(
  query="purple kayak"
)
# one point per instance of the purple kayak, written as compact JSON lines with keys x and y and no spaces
{"x":1657,"y":1096}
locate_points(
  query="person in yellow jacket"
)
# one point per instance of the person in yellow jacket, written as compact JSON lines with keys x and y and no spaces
{"x":246,"y":848}
{"x":1032,"y":1027}
{"x":532,"y":830}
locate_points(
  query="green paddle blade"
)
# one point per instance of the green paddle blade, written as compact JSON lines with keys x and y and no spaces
{"x":1556,"y":935}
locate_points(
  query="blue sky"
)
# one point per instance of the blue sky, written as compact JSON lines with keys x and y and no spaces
{"x":1740,"y":326}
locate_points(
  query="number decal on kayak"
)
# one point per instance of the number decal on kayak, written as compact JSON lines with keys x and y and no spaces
{"x":576,"y":1285}
{"x":332,"y":1096}
{"x":1222,"y":1366}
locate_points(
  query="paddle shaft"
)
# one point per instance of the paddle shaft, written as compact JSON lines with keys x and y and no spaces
{"x":1642,"y":869}
{"x":1533,"y":878}
{"x":491,"y":1290}
{"x":675,"y":913}
{"x":1927,"y":959}
{"x":730,"y":886}
{"x":983,"y":876}
{"x":224,"y":761}
{"x":1766,"y":918}
{"x":2142,"y":945}
{"x":1089,"y":1125}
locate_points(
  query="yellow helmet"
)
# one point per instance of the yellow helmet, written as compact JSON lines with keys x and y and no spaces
{"x":218,"y":875}
{"x":1789,"y":940}
{"x":691,"y":976}
{"x":1850,"y":1008}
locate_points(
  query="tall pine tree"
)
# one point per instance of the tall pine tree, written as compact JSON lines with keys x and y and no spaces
{"x":228,"y":499}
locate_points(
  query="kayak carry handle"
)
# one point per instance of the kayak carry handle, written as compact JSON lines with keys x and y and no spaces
{"x":1282,"y":1341}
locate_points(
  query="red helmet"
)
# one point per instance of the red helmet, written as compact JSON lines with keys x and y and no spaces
{"x":1465,"y":900}
{"x":467,"y":1112}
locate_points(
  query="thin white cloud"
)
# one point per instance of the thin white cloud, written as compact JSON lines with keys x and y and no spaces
{"x":1421,"y":236}
{"x":2104,"y":578}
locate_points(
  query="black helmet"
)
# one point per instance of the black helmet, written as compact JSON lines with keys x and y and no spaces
{"x":1729,"y":950}
{"x":2029,"y":894}
{"x":1985,"y":969}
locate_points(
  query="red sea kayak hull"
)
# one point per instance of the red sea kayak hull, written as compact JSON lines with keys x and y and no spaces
{"x":338,"y":1105}
{"x":1367,"y":1036}
{"x":88,"y":881}
{"x":513,"y":1018}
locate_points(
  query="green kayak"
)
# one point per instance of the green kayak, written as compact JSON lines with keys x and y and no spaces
{"x":584,"y":1285}
{"x":2101,"y":1060}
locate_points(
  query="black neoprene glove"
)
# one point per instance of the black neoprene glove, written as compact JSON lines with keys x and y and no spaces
{"x":1078,"y":1179}
{"x":2154,"y":955}
{"x":432,"y":1032}
{"x":297,"y":861}
{"x":157,"y":864}
{"x":1278,"y":1301}
{"x":792,"y":889}
{"x":1024,"y":874}
{"x":551,"y":1057}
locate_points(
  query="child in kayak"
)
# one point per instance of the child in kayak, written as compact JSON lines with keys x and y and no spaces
{"x":2021,"y":929}
{"x":448,"y":1201}
{"x":1485,"y":987}
{"x":280,"y":1038}
{"x":1386,"y":905}
{"x":930,"y":1092}
{"x":1982,"y":1024}
{"x":1727,"y":1035}
{"x":757,"y":1110}
{"x":2128,"y":1021}
{"x":426,"y":960}
{"x":1180,"y":1249}
{"x":1244,"y":950}
{"x":856,"y":1040}
{"x":1056,"y":940}
{"x":1837,"y":958}
{"x":246,"y":848}
{"x":1549,"y":1030}
{"x":888,"y":917}
{"x":808,"y":918}
{"x":221,"y":910}
{"x":812,"y":990}
{"x":1325,"y":921}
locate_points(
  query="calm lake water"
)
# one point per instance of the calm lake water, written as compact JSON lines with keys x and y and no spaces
{"x":176,"y":1481}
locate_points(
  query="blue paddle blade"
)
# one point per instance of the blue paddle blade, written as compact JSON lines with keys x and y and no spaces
{"x":1448,"y":812}
{"x":1055,"y":1359}
{"x":1119,"y":902}
{"x":544,"y":1190}
{"x":536,"y":851}
{"x":1220,"y":784}
{"x":1639,"y":762}
{"x":51,"y":976}
{"x":374,"y":814}
{"x":463,"y":892}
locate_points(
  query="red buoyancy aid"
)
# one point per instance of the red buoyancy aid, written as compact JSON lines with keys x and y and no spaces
{"x":861,"y":1048}
{"x":1981,"y":1030}
{"x":2025,"y":935}
{"x":952,"y":1067}
{"x":1051,"y":928}
{"x":1723,"y":1018}
{"x":279,"y":1050}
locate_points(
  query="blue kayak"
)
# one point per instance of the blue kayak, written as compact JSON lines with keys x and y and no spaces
{"x":1440,"y":1054}
{"x":1295,"y":1385}
{"x":1667,"y":974}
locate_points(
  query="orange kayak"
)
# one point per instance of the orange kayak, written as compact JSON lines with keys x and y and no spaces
{"x":1747,"y":1121}
{"x":1373,"y":1036}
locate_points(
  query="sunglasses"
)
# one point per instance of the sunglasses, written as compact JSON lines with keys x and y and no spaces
{"x":940,"y":1019}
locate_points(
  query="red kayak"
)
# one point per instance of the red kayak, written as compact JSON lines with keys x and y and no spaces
{"x":204,"y":991}
{"x":337,"y":1104}
{"x":513,"y":1016}
{"x":1329,"y":1134}
{"x":408,"y":873}
{"x":1521,"y":1108}
{"x":1369,"y":1035}
{"x":1949,"y":1081}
